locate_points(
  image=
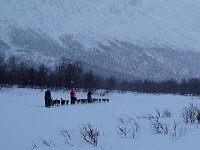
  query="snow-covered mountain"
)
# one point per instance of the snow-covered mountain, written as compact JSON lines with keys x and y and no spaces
{"x":155,"y":39}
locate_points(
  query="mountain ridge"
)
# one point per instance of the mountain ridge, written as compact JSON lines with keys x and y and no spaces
{"x":155,"y":39}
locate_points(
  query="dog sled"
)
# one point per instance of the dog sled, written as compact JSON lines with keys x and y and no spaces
{"x":62,"y":102}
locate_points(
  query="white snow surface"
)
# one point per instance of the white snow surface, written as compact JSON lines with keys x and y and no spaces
{"x":25,"y":120}
{"x":174,"y":23}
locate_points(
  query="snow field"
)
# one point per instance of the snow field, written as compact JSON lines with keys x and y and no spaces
{"x":25,"y":121}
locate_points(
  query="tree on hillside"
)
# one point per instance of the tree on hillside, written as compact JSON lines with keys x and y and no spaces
{"x":31,"y":73}
{"x":12,"y":70}
{"x":42,"y":76}
{"x":111,"y":83}
{"x":2,"y":72}
{"x":74,"y":72}
{"x":21,"y":74}
{"x":88,"y":80}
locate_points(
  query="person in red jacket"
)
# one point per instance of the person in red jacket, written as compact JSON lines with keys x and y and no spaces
{"x":73,"y":96}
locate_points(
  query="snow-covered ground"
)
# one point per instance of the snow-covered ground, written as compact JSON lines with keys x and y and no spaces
{"x":26,"y":123}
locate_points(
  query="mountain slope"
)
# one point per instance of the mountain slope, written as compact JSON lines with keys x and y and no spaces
{"x":139,"y":38}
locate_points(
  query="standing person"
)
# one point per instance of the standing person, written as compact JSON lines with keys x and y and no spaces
{"x":47,"y":98}
{"x":73,"y":96}
{"x":89,"y":96}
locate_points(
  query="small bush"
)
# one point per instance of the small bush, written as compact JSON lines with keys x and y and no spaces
{"x":177,"y":131}
{"x":158,"y":126}
{"x":48,"y":143}
{"x":67,"y":136}
{"x":163,"y":114}
{"x":33,"y":145}
{"x":90,"y":134}
{"x":128,"y":127}
{"x":166,"y":114}
{"x":191,"y":114}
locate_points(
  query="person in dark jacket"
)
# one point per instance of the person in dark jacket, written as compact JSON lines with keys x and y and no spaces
{"x":73,"y":96}
{"x":47,"y":98}
{"x":89,"y":96}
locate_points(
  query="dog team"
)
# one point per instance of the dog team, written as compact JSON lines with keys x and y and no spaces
{"x":49,"y":102}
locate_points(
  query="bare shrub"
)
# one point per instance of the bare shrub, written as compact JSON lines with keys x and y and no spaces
{"x":46,"y":142}
{"x":67,"y":136}
{"x":166,"y":114}
{"x":174,"y":129}
{"x":90,"y":134}
{"x":33,"y":145}
{"x":177,"y":131}
{"x":128,"y":127}
{"x":159,"y":127}
{"x":163,"y":114}
{"x":148,"y":116}
{"x":191,"y":114}
{"x":123,"y":130}
{"x":159,"y":114}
